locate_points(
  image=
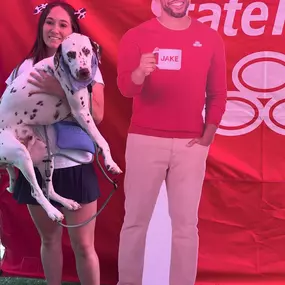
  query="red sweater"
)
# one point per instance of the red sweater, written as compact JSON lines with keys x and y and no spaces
{"x":170,"y":102}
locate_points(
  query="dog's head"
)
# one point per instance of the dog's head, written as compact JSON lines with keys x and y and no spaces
{"x":77,"y":52}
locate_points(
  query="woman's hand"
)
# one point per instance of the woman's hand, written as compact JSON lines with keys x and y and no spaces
{"x":45,"y":83}
{"x":98,"y":103}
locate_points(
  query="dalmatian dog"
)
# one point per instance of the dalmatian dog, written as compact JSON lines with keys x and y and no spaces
{"x":74,"y":65}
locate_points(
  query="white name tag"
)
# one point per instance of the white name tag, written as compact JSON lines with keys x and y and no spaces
{"x":168,"y":59}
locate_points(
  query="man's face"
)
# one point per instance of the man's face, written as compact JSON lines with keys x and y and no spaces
{"x":175,"y":8}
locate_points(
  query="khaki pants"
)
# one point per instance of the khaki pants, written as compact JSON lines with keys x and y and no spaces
{"x":150,"y":161}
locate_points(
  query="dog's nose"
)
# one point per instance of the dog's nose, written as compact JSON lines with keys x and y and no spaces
{"x":84,"y":73}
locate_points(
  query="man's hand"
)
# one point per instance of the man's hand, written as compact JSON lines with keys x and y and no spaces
{"x":201,"y":141}
{"x":207,"y":138}
{"x":146,"y":67}
{"x":147,"y":63}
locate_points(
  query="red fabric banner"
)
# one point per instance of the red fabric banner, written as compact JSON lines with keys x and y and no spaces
{"x":242,"y":216}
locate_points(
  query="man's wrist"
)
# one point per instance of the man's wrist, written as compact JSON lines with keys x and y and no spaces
{"x":209,"y":133}
{"x":138,"y":76}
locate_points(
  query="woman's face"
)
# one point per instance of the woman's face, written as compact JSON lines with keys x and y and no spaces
{"x":56,"y":28}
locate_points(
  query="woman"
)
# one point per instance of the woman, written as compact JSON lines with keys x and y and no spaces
{"x":71,"y":180}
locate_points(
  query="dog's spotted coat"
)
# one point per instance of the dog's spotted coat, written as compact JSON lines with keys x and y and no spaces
{"x":19,"y":112}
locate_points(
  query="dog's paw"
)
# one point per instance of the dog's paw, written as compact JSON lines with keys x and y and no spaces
{"x":69,"y":204}
{"x":114,"y":168}
{"x":55,"y":215}
{"x":10,"y":189}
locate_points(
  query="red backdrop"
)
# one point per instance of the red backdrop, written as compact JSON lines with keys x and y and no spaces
{"x":242,"y":213}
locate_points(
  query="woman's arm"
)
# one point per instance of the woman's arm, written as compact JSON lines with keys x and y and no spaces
{"x":98,"y":102}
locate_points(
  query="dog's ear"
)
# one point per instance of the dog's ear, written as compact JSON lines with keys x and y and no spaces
{"x":56,"y":57}
{"x":97,"y":49}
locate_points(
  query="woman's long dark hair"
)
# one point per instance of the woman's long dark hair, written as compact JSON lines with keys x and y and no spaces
{"x":39,"y":49}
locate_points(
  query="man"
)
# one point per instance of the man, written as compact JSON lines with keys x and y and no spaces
{"x":167,"y":65}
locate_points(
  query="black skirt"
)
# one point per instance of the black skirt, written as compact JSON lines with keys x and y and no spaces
{"x":78,"y":183}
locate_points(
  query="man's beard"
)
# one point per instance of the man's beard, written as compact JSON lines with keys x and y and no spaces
{"x":171,"y":13}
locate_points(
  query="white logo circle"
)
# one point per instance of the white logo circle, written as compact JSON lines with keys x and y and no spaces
{"x":260,"y":81}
